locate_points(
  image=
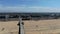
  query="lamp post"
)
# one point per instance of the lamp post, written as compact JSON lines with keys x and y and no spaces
{"x":6,"y":17}
{"x":21,"y":26}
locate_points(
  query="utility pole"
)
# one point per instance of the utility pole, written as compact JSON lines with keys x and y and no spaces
{"x":21,"y":26}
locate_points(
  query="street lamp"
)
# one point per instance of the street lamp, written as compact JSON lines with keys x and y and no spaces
{"x":21,"y":26}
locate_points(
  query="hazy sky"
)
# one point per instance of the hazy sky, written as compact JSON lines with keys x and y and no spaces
{"x":30,"y":5}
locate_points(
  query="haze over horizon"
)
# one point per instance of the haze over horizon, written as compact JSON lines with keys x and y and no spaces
{"x":29,"y":5}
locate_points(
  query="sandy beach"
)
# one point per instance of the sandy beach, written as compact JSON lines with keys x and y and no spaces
{"x":31,"y":27}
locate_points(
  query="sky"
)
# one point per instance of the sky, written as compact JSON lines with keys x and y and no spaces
{"x":29,"y":5}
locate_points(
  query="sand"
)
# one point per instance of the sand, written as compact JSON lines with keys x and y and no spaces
{"x":8,"y":27}
{"x":42,"y":27}
{"x":31,"y":27}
